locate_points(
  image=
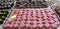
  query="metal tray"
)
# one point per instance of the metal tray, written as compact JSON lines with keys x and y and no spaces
{"x":15,"y":5}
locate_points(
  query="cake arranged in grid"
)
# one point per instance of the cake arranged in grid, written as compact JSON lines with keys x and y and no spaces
{"x":38,"y":18}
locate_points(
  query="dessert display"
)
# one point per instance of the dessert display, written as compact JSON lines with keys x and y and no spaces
{"x":27,"y":18}
{"x":29,"y":14}
{"x":3,"y":15}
